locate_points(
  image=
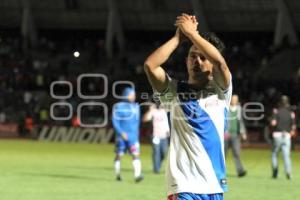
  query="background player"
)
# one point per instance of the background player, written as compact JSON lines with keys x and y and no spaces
{"x":160,"y":134}
{"x":235,"y":130}
{"x":126,"y":122}
{"x":284,"y":126}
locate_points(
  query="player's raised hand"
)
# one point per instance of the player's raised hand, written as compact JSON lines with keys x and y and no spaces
{"x":194,"y":19}
{"x":187,"y":24}
{"x":181,"y":37}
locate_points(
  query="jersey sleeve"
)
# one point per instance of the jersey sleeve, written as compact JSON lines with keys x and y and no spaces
{"x":225,"y":94}
{"x":167,"y":96}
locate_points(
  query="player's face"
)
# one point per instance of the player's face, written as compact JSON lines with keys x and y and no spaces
{"x":131,"y":97}
{"x":234,"y":100}
{"x":199,"y":67}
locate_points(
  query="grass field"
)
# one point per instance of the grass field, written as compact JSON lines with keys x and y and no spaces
{"x":33,"y":170}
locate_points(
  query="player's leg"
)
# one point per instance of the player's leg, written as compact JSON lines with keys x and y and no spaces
{"x":286,"y":149}
{"x":136,"y":162}
{"x":236,"y":148}
{"x":164,"y":148}
{"x":118,"y":167}
{"x":120,"y":150}
{"x":275,"y":150}
{"x":156,"y":157}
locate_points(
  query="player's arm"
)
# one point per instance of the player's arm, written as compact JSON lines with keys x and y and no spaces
{"x":243,"y":131}
{"x":274,"y":118}
{"x":221,"y":72}
{"x":294,"y":126}
{"x":139,"y":114}
{"x":152,"y":66}
{"x":148,"y":115}
{"x":116,"y":122}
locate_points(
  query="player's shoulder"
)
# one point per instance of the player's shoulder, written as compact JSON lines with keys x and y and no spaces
{"x":169,"y":92}
{"x":120,"y":104}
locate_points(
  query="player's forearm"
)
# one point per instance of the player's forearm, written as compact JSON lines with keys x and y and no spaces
{"x":117,"y":127}
{"x":147,"y":117}
{"x":161,"y":55}
{"x":221,"y":72}
{"x":209,"y":50}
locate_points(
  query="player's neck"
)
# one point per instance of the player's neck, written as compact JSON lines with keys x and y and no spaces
{"x":198,"y":84}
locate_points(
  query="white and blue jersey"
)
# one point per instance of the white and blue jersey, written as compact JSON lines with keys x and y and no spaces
{"x":196,"y":162}
{"x":126,"y":119}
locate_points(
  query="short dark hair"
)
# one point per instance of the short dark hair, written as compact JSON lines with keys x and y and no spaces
{"x":284,"y":101}
{"x":214,"y":40}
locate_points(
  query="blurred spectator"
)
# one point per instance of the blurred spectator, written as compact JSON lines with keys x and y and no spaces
{"x":2,"y":117}
{"x":284,"y":127}
{"x":160,"y":134}
{"x":29,"y":124}
{"x":75,"y":121}
{"x":235,"y":130}
{"x":44,"y":115}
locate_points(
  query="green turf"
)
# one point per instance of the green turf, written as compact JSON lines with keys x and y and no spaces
{"x":52,"y":171}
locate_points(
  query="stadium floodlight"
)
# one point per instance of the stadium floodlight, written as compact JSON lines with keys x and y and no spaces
{"x":76,"y":54}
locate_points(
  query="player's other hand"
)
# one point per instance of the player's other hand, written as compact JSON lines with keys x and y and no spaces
{"x":187,"y":24}
{"x":293,"y":133}
{"x":124,"y":136}
{"x":244,"y":137}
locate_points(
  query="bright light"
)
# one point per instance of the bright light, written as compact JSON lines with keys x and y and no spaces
{"x":76,"y":54}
